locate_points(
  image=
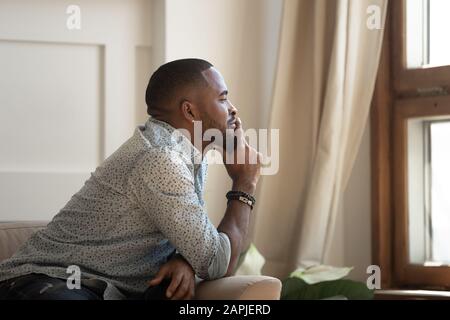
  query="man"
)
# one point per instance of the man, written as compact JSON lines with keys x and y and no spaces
{"x":140,"y":218}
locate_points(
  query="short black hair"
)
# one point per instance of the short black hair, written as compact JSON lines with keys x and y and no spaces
{"x":172,"y":76}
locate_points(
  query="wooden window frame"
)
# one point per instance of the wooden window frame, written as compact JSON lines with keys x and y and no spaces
{"x":405,"y":273}
{"x":397,"y":99}
{"x":408,"y":80}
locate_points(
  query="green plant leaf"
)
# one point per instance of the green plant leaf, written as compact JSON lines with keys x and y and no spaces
{"x":297,"y":289}
{"x":251,"y":263}
{"x":292,"y":288}
{"x":321,"y":273}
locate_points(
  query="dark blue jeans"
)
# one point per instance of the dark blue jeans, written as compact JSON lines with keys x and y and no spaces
{"x":42,"y":287}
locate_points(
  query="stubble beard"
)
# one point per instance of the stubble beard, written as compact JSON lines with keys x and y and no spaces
{"x":209,"y":123}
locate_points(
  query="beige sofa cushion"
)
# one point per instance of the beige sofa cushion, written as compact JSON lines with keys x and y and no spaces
{"x":239,"y":288}
{"x":14,"y":234}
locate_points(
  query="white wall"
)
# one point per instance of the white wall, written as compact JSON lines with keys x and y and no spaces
{"x":68,"y":97}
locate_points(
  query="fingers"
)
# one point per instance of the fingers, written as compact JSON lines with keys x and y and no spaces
{"x":176,"y":280}
{"x":260,"y":157}
{"x":186,"y":290}
{"x":183,"y":289}
{"x":238,"y":123}
{"x":155,"y":281}
{"x":239,"y":132}
{"x":240,"y":139}
{"x":159,"y":277}
{"x":190,"y":294}
{"x":192,"y":289}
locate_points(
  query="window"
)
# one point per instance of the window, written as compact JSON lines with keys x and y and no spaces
{"x":439,"y":190}
{"x":428,"y":154}
{"x":427,"y":24}
{"x":411,"y":148}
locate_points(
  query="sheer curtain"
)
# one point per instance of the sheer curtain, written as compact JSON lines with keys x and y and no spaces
{"x":327,"y":64}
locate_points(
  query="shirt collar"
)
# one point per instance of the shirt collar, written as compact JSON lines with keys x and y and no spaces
{"x":175,"y":139}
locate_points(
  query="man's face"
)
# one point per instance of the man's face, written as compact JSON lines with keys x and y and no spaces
{"x":216,"y":111}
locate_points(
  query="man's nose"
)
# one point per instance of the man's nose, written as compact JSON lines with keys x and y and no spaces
{"x":232,"y":109}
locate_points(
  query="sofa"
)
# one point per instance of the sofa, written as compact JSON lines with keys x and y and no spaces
{"x":13,"y":234}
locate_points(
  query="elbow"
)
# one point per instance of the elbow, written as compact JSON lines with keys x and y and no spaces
{"x":236,"y":241}
{"x":212,"y":272}
{"x":229,"y":273}
{"x":219,"y":265}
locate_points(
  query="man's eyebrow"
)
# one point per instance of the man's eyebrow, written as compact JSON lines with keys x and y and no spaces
{"x":225,"y":92}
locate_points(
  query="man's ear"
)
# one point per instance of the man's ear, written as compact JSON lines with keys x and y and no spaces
{"x":189,"y":111}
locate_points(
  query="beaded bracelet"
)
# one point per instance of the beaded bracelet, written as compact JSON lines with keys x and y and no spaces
{"x":241,"y":196}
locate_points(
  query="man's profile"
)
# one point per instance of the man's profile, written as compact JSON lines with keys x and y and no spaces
{"x":138,"y":225}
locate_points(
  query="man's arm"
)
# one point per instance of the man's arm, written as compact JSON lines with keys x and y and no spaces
{"x":164,"y":188}
{"x":237,"y":215}
{"x":235,"y":225}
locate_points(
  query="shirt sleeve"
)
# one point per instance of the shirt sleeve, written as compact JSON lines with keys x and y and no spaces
{"x":164,"y":186}
{"x":219,"y":265}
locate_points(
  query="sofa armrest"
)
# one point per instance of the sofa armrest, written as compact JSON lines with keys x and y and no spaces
{"x":239,"y":288}
{"x":13,"y":235}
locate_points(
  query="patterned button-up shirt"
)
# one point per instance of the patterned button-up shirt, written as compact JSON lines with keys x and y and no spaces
{"x":140,"y":205}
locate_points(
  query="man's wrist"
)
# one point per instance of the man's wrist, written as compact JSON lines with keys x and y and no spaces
{"x":244,"y":186}
{"x":241,"y":196}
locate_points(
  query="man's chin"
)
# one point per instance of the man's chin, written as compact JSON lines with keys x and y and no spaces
{"x":226,"y":131}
